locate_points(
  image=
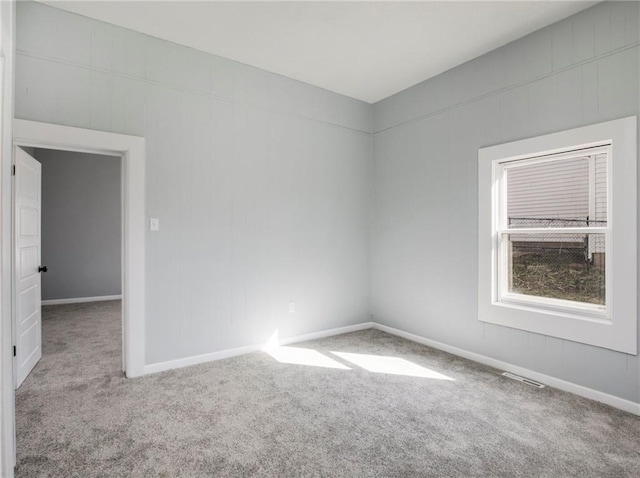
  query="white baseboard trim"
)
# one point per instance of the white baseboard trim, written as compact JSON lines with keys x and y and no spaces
{"x":227,"y":353}
{"x":616,"y":402}
{"x":80,"y":300}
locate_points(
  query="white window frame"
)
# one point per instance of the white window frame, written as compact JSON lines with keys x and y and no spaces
{"x":613,"y":326}
{"x":500,"y":169}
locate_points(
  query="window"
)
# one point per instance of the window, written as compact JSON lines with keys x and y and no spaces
{"x":552,"y":230}
{"x":557,"y":235}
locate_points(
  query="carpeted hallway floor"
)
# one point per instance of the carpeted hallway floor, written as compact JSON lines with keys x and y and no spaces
{"x":346,"y":414}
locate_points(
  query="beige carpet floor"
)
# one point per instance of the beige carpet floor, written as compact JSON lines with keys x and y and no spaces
{"x":364,"y":404}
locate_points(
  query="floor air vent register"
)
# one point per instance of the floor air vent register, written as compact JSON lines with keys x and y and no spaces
{"x":528,"y":381}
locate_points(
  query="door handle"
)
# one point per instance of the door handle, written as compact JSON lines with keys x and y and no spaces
{"x":42,"y":269}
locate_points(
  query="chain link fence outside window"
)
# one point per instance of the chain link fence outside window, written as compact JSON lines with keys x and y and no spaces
{"x":560,"y":266}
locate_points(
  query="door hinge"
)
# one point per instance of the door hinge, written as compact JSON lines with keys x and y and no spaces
{"x":14,"y":350}
{"x":13,"y":170}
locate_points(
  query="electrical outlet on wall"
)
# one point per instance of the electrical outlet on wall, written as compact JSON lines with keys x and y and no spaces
{"x":292,"y":307}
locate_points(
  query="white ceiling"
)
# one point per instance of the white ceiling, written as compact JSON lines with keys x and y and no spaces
{"x":366,"y":50}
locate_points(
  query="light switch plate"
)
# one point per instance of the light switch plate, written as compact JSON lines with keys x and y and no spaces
{"x":154,"y":224}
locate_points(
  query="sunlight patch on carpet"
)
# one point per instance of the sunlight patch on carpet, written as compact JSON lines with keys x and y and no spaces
{"x":390,"y":365}
{"x":301,"y":356}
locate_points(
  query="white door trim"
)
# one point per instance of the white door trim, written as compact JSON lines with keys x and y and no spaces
{"x":132,"y":151}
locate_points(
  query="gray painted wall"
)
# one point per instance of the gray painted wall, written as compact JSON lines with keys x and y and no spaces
{"x":261,"y":183}
{"x":81,"y":224}
{"x":579,"y":71}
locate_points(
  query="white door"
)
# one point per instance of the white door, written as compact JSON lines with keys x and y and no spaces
{"x":28,"y":336}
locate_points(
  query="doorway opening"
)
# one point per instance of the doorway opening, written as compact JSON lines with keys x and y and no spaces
{"x":131,"y":150}
{"x":71,"y":259}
